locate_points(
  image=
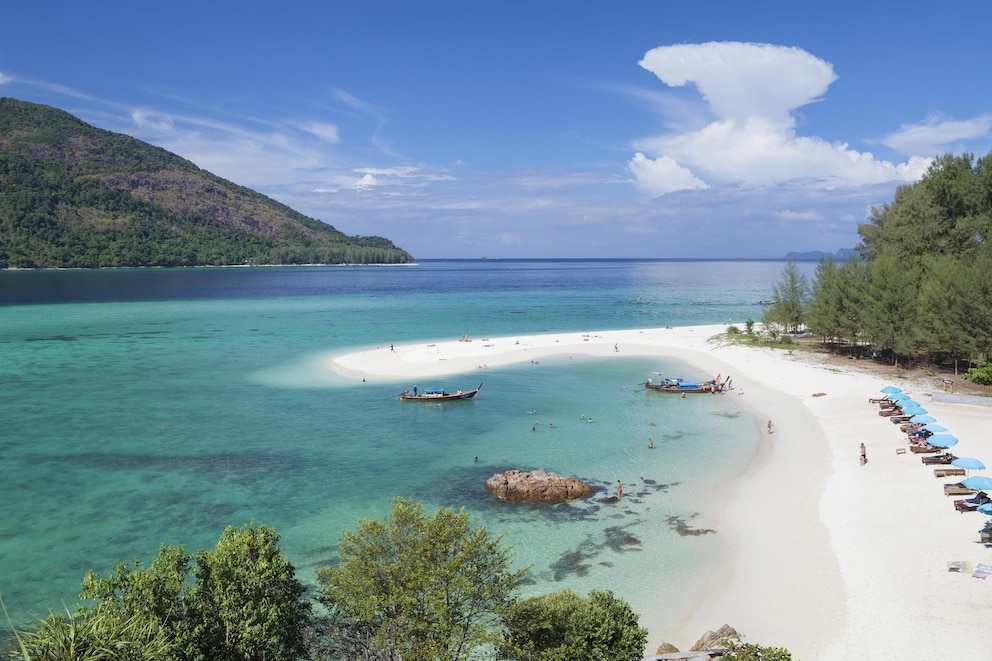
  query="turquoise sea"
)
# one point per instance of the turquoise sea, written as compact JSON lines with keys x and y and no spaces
{"x":142,"y":407}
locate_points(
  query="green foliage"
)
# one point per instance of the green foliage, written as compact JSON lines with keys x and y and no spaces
{"x":416,"y":587}
{"x":562,"y":626}
{"x":237,"y":601}
{"x":926,"y":284}
{"x":749,"y":326}
{"x":790,"y":296}
{"x":72,"y":195}
{"x":739,"y":651}
{"x":248,"y":601}
{"x":96,"y":635}
{"x":980,"y":374}
{"x":733,"y":330}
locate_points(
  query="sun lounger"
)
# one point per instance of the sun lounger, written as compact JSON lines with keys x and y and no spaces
{"x":957,"y":489}
{"x":963,"y":507}
{"x":938,"y":459}
{"x":948,"y":472}
{"x":899,"y":419}
{"x":925,"y":449}
{"x":979,"y":498}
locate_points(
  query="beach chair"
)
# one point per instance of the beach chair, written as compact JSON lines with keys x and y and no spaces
{"x":963,"y":507}
{"x":938,"y":459}
{"x":948,"y":472}
{"x":925,"y":449}
{"x":958,"y":489}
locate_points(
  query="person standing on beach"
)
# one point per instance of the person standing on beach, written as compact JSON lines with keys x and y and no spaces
{"x":864,"y":455}
{"x":619,"y":489}
{"x":769,"y":426}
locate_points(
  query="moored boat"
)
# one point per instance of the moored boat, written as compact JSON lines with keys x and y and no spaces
{"x":681,"y":386}
{"x":437,"y":395}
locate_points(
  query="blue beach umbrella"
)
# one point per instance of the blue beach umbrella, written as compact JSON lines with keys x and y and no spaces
{"x":942,"y":440}
{"x":923,"y":418}
{"x":908,"y":402}
{"x":898,"y":397}
{"x":978,"y":482}
{"x":891,"y":389}
{"x":986,"y":508}
{"x":933,"y":427}
{"x":914,"y":410}
{"x":968,"y":464}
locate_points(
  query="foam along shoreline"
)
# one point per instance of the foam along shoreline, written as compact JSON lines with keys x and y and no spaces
{"x":827,"y":557}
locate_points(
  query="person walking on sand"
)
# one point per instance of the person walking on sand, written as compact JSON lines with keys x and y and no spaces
{"x":769,"y":426}
{"x":864,"y":455}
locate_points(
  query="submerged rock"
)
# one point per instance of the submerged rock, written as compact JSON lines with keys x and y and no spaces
{"x":536,"y":486}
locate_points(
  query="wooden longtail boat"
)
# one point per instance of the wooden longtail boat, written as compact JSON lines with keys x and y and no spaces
{"x":438,"y":395}
{"x":680,"y":386}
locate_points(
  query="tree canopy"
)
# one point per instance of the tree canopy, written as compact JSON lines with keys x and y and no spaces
{"x":418,"y":587}
{"x":924,"y":286}
{"x":562,"y":626}
{"x":239,"y":601}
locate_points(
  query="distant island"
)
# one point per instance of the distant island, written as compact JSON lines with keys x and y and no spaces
{"x":75,"y":196}
{"x":841,"y":255}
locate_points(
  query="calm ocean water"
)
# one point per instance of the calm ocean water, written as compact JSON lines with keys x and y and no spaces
{"x":142,"y":407}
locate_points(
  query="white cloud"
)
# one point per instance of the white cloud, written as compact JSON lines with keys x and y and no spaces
{"x":366,"y":182}
{"x":935,"y":133}
{"x":740,"y":80}
{"x":751,"y":91}
{"x":326,"y":132}
{"x":4,"y":78}
{"x":788,"y":214}
{"x":662,"y":175}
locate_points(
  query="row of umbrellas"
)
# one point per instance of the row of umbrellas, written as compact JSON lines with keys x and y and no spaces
{"x":941,"y":439}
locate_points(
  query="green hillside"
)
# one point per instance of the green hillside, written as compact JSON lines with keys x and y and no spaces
{"x":75,"y":196}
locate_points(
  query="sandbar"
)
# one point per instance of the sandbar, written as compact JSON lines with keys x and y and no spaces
{"x":825,"y":556}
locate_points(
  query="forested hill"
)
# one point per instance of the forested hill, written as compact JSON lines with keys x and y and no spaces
{"x":72,"y":195}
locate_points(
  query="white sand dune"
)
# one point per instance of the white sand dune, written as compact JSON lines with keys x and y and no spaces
{"x":824,"y":556}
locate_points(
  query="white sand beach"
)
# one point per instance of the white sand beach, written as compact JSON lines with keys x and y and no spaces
{"x":824,"y":556}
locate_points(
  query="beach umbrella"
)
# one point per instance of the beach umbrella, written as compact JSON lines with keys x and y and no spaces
{"x":923,"y":418}
{"x":986,"y":508}
{"x":942,"y":440}
{"x":968,"y":464}
{"x":898,"y":397}
{"x":933,"y":427}
{"x":908,"y":402}
{"x":978,"y":483}
{"x":891,"y":389}
{"x":914,"y":410}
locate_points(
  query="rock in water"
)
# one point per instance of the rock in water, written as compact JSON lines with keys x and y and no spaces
{"x":536,"y":486}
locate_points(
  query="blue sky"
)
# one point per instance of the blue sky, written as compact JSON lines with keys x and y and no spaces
{"x":533,"y":129}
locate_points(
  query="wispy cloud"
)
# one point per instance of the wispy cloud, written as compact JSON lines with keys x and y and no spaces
{"x":751,"y":92}
{"x":936,"y":133}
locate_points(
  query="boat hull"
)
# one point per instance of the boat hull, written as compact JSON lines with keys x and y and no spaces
{"x":678,"y":386}
{"x":441,"y":396}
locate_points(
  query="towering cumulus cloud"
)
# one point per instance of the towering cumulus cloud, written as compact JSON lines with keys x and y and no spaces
{"x":747,"y":134}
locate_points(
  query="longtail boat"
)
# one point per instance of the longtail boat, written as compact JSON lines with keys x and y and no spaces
{"x":438,"y":395}
{"x":691,"y":387}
